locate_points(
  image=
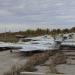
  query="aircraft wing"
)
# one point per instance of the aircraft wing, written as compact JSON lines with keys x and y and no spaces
{"x":68,"y":44}
{"x":28,"y":48}
{"x":7,"y":46}
{"x":35,"y":47}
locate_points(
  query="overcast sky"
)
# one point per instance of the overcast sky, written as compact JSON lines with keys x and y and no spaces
{"x":24,"y":14}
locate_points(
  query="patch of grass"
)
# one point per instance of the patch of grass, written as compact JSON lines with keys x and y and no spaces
{"x":58,"y":58}
{"x":33,"y":61}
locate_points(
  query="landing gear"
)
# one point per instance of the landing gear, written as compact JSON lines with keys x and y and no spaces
{"x":10,"y":50}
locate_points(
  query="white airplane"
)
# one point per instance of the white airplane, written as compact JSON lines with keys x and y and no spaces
{"x":41,"y":43}
{"x":5,"y":46}
{"x":67,"y":40}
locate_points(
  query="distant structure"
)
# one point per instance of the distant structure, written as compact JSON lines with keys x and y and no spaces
{"x":20,"y":37}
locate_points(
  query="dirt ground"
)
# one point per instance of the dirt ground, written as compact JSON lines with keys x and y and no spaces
{"x":7,"y":60}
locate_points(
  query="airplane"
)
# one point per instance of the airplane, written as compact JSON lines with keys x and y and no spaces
{"x":8,"y":46}
{"x":41,"y":43}
{"x":68,"y":40}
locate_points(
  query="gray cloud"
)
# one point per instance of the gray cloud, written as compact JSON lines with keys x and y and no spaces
{"x":51,"y":12}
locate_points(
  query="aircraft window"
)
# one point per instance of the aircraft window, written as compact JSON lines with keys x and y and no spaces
{"x":34,"y":40}
{"x":47,"y":44}
{"x":64,"y":38}
{"x":26,"y":40}
{"x":35,"y":43}
{"x":70,"y":36}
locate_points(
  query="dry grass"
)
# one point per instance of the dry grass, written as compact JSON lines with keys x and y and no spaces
{"x":29,"y":66}
{"x":58,"y":58}
{"x":34,"y":60}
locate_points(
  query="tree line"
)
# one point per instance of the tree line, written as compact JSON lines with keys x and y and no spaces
{"x":11,"y":36}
